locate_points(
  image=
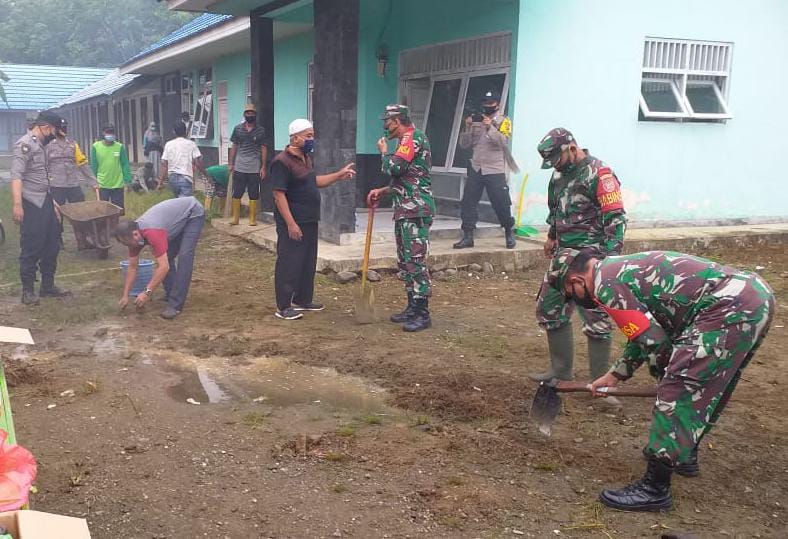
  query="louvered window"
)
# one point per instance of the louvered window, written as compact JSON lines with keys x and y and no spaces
{"x":444,"y":83}
{"x":685,"y":80}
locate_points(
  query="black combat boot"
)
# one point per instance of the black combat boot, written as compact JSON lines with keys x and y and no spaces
{"x":406,"y":315}
{"x":652,"y":493}
{"x":690,"y":468}
{"x":511,"y":242}
{"x":49,"y":290}
{"x":29,"y":296}
{"x":466,"y":241}
{"x":421,"y":319}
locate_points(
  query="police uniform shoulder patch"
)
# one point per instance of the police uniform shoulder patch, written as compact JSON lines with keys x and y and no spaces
{"x":506,"y":127}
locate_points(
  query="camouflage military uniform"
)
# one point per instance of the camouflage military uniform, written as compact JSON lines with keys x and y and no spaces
{"x":585,"y":210}
{"x":696,"y":323}
{"x":414,"y":207}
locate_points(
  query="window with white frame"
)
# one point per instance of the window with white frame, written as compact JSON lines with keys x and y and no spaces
{"x":187,"y":92}
{"x":170,"y":87}
{"x":685,"y":80}
{"x":444,"y":83}
{"x":202,"y":125}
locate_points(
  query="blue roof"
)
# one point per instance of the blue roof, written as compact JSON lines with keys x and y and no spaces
{"x":197,"y":25}
{"x":107,"y":85}
{"x":39,"y":87}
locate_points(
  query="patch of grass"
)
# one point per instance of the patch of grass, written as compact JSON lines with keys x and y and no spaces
{"x":373,"y":419}
{"x":336,"y":456}
{"x":339,"y":488}
{"x":255,"y":420}
{"x":450,"y":521}
{"x":455,"y":481}
{"x":346,"y":431}
{"x":421,"y":419}
{"x":547,"y":466}
{"x":483,"y":345}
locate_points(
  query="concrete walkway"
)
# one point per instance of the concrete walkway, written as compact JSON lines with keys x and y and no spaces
{"x":527,"y":253}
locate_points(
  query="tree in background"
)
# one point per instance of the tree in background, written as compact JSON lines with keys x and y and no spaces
{"x":99,"y":33}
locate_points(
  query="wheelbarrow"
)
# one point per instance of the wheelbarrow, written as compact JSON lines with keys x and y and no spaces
{"x":94,"y":223}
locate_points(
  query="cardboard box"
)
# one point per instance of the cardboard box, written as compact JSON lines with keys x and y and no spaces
{"x":37,"y":525}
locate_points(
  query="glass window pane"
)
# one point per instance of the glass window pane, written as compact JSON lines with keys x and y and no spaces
{"x":440,"y":121}
{"x":704,"y":99}
{"x":659,"y":97}
{"x":477,"y":87}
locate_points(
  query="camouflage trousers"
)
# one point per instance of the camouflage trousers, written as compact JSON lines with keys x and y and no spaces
{"x":413,"y":243}
{"x":554,"y":311}
{"x":705,"y":366}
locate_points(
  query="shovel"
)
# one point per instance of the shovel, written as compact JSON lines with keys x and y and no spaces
{"x":365,"y":300}
{"x":547,"y":401}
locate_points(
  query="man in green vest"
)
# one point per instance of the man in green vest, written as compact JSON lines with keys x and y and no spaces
{"x":109,"y":160}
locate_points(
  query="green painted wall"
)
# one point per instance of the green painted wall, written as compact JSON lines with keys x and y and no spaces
{"x":291,"y":58}
{"x":434,"y":22}
{"x":234,"y":69}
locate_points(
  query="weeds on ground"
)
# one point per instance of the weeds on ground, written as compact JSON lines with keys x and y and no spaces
{"x":336,"y":456}
{"x":373,"y":419}
{"x":339,"y":488}
{"x":255,"y":420}
{"x":346,"y":431}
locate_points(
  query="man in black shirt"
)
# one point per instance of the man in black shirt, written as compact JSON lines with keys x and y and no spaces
{"x":247,"y":163}
{"x":297,"y":198}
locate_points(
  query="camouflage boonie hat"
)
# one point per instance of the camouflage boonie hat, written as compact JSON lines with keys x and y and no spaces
{"x":392,"y":111}
{"x":559,"y":266}
{"x":551,"y":146}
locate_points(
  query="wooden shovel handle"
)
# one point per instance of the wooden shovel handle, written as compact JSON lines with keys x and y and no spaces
{"x":582,"y":387}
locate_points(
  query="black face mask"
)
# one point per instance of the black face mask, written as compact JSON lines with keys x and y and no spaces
{"x":47,"y":139}
{"x":587,"y":302}
{"x":250,"y":119}
{"x":489,"y":111}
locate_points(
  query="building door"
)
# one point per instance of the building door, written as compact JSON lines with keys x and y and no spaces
{"x":224,"y":123}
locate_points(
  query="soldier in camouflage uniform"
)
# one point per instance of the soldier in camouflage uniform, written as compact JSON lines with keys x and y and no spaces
{"x":696,"y":323}
{"x":414,"y":207}
{"x":585,"y":210}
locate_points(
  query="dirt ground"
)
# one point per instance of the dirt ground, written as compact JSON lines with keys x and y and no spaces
{"x":325,"y":428}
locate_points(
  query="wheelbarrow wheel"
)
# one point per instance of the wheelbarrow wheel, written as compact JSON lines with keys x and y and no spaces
{"x":103,"y":253}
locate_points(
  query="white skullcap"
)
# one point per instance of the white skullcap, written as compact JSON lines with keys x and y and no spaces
{"x":299,"y":125}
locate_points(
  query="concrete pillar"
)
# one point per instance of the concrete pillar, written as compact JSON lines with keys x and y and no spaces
{"x":261,"y":33}
{"x":335,"y":109}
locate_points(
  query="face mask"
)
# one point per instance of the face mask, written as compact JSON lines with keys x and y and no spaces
{"x":568,"y":167}
{"x":109,"y":138}
{"x":48,"y":138}
{"x":587,"y":302}
{"x":309,"y":145}
{"x":250,"y":119}
{"x":489,"y":111}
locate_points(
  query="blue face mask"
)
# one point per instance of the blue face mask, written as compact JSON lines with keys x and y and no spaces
{"x":309,"y":145}
{"x":109,"y":138}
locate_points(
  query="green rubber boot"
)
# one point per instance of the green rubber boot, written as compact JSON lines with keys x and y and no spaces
{"x":559,"y":342}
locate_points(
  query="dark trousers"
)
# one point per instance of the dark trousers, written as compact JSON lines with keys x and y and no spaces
{"x":294,"y":276}
{"x":39,"y":243}
{"x":62,"y":195}
{"x":497,"y":192}
{"x":181,"y":256}
{"x":113,"y":195}
{"x":246,"y":181}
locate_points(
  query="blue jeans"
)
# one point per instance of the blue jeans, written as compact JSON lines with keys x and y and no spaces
{"x":181,"y":185}
{"x":181,"y":256}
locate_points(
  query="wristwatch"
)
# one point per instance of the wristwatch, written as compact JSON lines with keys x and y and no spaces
{"x":148,"y":291}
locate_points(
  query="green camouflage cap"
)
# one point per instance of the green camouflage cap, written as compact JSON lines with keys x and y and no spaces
{"x":392,"y":111}
{"x":553,"y":143}
{"x":559,"y":266}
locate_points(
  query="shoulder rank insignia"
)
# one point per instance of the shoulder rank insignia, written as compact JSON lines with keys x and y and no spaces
{"x":25,"y":148}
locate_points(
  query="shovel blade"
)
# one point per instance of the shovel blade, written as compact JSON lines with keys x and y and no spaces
{"x":545,"y":407}
{"x":365,"y":305}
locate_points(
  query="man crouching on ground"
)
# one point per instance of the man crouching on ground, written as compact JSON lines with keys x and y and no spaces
{"x":172,"y":229}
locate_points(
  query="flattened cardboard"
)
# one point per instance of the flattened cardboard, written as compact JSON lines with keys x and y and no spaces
{"x":38,"y":525}
{"x":15,"y":335}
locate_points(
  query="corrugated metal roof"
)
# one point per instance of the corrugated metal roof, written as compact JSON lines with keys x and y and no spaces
{"x":108,"y":85}
{"x":39,"y":87}
{"x":197,"y":25}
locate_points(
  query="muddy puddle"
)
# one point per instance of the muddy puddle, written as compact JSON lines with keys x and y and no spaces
{"x":273,"y":381}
